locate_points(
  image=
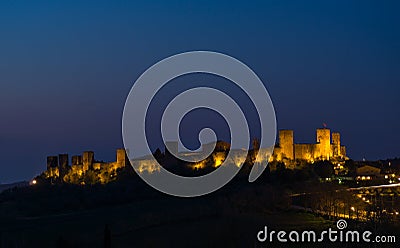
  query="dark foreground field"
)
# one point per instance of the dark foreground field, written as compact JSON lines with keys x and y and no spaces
{"x":149,"y":224}
{"x":131,"y":214}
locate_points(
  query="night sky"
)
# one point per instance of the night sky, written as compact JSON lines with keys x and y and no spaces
{"x":66,"y":68}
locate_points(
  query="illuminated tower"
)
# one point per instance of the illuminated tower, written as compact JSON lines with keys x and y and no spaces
{"x":122,"y":158}
{"x":286,"y":143}
{"x":87,"y":159}
{"x":336,"y":144}
{"x":324,"y":142}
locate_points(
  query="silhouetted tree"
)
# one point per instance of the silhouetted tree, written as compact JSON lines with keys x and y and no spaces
{"x":351,"y":167}
{"x":323,"y":169}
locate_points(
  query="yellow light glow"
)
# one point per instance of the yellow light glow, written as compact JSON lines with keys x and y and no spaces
{"x":199,"y":165}
{"x":149,"y":166}
{"x":239,"y":159}
{"x":218,"y":160}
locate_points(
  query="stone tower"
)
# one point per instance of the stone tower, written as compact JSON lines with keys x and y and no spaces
{"x":324,"y":143}
{"x":52,"y":162}
{"x":76,"y":160}
{"x":87,"y":160}
{"x":286,"y":143}
{"x":336,"y":144}
{"x":122,"y":158}
{"x":63,"y":163}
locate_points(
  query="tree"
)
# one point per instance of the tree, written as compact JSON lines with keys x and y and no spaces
{"x":351,"y":167}
{"x":323,"y":169}
{"x":91,"y":177}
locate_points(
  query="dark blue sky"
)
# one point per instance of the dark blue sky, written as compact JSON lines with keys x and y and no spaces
{"x":66,"y":68}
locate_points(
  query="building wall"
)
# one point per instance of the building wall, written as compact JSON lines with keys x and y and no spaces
{"x":58,"y":167}
{"x":63,"y":161}
{"x":343,"y":151}
{"x":322,"y":150}
{"x":63,"y":164}
{"x":324,"y":141}
{"x":87,"y":160}
{"x":304,"y":151}
{"x":122,"y":158}
{"x":286,"y":143}
{"x":336,"y":144}
{"x":52,"y":162}
{"x":277,"y":155}
{"x":76,"y":160}
{"x":97,"y":166}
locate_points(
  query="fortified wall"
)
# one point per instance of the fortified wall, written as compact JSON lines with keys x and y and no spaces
{"x":58,"y":167}
{"x":85,"y":168}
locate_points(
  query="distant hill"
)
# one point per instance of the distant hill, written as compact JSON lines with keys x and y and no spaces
{"x":12,"y":185}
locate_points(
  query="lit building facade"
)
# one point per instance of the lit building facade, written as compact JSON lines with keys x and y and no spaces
{"x":327,"y":147}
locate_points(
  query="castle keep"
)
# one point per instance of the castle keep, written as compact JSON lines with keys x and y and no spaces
{"x":325,"y":148}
